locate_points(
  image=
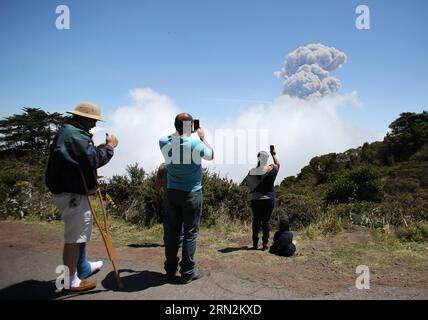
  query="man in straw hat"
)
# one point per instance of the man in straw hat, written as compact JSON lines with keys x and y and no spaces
{"x":71,"y":151}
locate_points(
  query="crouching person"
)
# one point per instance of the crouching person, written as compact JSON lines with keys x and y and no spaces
{"x":72,"y":154}
{"x":283,"y":243}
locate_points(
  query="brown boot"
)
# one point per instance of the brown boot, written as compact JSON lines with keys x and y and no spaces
{"x":85,"y":285}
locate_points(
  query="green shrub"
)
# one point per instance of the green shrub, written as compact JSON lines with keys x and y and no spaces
{"x":405,"y":208}
{"x":421,"y":155}
{"x":367,"y":214}
{"x":222,"y":198}
{"x":132,"y":196}
{"x":417,"y":231}
{"x":300,"y":209}
{"x":362,"y":184}
{"x":23,"y":201}
{"x":363,"y":213}
{"x":400,"y":186}
{"x":343,"y":190}
{"x":408,"y":134}
{"x":327,"y":223}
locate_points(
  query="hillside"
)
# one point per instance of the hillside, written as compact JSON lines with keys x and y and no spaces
{"x":380,"y":185}
{"x":376,"y":185}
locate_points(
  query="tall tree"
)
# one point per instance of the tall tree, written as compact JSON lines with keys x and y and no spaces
{"x":29,"y":132}
{"x":407,"y":135}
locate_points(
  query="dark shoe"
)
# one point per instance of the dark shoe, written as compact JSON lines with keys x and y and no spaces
{"x":197,"y":274}
{"x":85,"y":285}
{"x":171,"y":277}
{"x":265,"y":247}
{"x":255,"y":246}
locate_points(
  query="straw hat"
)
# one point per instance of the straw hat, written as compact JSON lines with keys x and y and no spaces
{"x":87,"y":110}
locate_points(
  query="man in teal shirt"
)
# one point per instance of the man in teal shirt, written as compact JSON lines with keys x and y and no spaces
{"x":183,"y":154}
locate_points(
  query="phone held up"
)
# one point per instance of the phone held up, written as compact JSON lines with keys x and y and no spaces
{"x":195,"y":125}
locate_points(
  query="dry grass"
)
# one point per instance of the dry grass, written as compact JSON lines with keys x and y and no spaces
{"x":385,"y":251}
{"x":231,"y":243}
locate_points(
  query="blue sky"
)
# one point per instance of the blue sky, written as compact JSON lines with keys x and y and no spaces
{"x":213,"y":58}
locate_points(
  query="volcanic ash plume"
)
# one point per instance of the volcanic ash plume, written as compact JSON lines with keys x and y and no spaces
{"x":306,"y":71}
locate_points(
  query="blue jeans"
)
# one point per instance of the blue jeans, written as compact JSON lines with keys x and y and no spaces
{"x":83,"y":266}
{"x":184,"y":208}
{"x":166,"y":226}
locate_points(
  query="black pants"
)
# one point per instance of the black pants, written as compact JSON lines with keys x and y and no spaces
{"x":262,"y":211}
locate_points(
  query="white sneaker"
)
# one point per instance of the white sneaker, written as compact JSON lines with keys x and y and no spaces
{"x":96,"y":266}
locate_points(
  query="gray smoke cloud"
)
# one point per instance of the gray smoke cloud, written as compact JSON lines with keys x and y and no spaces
{"x":306,"y":71}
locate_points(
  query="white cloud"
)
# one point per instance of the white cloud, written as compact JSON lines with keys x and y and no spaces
{"x":302,"y":123}
{"x":299,"y":129}
{"x":138,"y":126}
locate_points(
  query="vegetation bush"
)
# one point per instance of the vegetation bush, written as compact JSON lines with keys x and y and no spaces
{"x":301,"y":210}
{"x":421,"y":155}
{"x":323,"y":225}
{"x":361,"y":184}
{"x":417,"y":231}
{"x":384,"y":183}
{"x":408,"y":134}
{"x":132,"y":196}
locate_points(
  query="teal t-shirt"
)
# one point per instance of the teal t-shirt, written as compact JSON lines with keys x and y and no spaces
{"x":183,"y":158}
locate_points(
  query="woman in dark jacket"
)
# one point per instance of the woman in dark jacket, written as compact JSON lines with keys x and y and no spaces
{"x":260,"y":180}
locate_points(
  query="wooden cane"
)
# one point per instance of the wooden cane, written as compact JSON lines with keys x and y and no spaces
{"x":105,"y":232}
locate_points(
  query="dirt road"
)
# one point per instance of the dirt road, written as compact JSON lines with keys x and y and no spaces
{"x":29,"y":255}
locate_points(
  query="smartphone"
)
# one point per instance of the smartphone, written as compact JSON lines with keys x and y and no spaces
{"x":196,"y":124}
{"x":272,"y":148}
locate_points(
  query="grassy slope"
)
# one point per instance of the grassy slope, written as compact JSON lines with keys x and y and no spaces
{"x":382,"y":249}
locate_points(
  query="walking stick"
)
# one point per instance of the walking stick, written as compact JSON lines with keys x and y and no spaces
{"x":105,"y":232}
